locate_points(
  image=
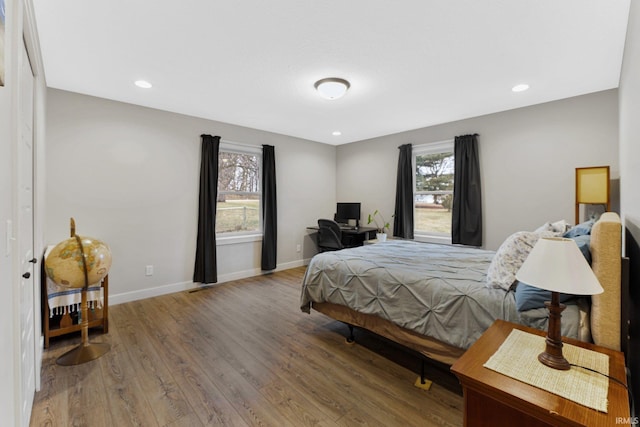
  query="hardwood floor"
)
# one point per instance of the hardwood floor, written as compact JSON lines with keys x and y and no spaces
{"x":240,"y":354}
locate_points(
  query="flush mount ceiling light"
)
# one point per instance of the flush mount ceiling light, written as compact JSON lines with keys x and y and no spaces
{"x":332,"y":87}
{"x":143,"y":84}
{"x":520,"y":88}
{"x":336,"y":133}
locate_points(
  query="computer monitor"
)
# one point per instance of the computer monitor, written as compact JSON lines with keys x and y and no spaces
{"x":346,"y":212}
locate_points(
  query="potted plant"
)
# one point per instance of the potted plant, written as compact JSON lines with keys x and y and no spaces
{"x":381,"y":235}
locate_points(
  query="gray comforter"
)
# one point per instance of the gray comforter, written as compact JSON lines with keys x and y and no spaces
{"x":435,"y":290}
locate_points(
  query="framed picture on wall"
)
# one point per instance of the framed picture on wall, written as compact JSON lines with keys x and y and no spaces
{"x":2,"y":19}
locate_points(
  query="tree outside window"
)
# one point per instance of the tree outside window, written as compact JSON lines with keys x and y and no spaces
{"x":433,"y":197}
{"x":238,"y":204}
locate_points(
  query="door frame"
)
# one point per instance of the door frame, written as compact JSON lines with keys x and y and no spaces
{"x":24,"y":236}
{"x":32,"y":44}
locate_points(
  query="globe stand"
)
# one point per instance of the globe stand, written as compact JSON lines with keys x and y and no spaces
{"x":85,"y":352}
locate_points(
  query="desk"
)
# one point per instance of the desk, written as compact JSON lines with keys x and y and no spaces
{"x":353,"y":236}
{"x":493,"y":399}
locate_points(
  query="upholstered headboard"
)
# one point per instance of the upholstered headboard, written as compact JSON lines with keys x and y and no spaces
{"x":606,"y":259}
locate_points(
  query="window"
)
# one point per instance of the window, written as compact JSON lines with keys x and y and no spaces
{"x":433,"y":191}
{"x":239,"y":196}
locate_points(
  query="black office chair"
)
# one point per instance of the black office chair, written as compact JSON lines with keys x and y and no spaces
{"x":329,"y":235}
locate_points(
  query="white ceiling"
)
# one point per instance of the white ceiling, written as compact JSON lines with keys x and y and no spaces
{"x":411,"y":63}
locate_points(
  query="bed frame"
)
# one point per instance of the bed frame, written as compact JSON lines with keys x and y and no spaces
{"x":631,"y":309}
{"x":605,"y":315}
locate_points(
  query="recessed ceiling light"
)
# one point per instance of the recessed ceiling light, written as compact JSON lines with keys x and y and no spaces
{"x":143,"y":84}
{"x":520,"y":88}
{"x":336,"y":133}
{"x":332,"y":87}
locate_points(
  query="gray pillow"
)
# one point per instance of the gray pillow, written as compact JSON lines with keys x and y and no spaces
{"x":581,"y":229}
{"x":529,"y":297}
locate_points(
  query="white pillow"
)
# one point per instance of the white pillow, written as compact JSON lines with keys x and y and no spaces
{"x":510,"y":256}
{"x":558,"y":228}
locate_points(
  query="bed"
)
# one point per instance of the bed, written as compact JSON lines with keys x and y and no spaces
{"x":437,"y":299}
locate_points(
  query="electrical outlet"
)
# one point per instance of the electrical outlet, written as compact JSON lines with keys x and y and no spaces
{"x":297,"y":248}
{"x":149,"y":270}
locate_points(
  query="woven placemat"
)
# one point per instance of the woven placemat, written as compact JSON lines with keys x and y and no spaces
{"x":517,"y":358}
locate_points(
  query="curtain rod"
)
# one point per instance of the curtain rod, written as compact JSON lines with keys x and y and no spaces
{"x":226,"y":141}
{"x":445,"y":141}
{"x":240,"y":143}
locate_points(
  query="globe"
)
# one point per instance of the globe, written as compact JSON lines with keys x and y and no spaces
{"x":64,"y":264}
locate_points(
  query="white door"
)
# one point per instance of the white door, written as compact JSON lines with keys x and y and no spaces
{"x":25,"y":239}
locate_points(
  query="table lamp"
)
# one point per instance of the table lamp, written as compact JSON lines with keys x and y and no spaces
{"x":557,"y":265}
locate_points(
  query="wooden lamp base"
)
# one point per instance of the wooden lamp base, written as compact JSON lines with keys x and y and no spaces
{"x":552,"y":355}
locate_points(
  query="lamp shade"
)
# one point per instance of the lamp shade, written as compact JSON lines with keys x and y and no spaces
{"x":556,"y":264}
{"x":592,"y":185}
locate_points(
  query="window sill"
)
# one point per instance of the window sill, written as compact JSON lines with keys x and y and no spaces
{"x":432,"y":238}
{"x":234,"y":240}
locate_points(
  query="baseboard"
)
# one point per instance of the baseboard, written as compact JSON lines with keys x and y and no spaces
{"x":121,"y":298}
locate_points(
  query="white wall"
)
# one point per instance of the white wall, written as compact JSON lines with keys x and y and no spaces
{"x":528,"y":158}
{"x":630,"y":124}
{"x":129,"y":175}
{"x":630,"y":171}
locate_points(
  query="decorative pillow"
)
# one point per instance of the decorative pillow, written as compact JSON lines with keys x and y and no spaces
{"x":584,"y":241}
{"x":558,"y":228}
{"x":529,"y":297}
{"x":509,"y":258}
{"x":581,"y":229}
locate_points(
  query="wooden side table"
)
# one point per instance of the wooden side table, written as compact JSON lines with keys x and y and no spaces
{"x":493,"y":399}
{"x":98,"y":317}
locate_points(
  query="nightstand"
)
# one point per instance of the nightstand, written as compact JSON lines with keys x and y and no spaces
{"x":493,"y":399}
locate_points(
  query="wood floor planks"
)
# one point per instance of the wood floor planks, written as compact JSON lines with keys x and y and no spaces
{"x":239,"y":354}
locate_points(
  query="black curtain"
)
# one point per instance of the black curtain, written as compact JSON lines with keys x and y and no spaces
{"x":403,"y":216}
{"x":269,"y":208}
{"x":466,"y":227}
{"x":206,"y":270}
